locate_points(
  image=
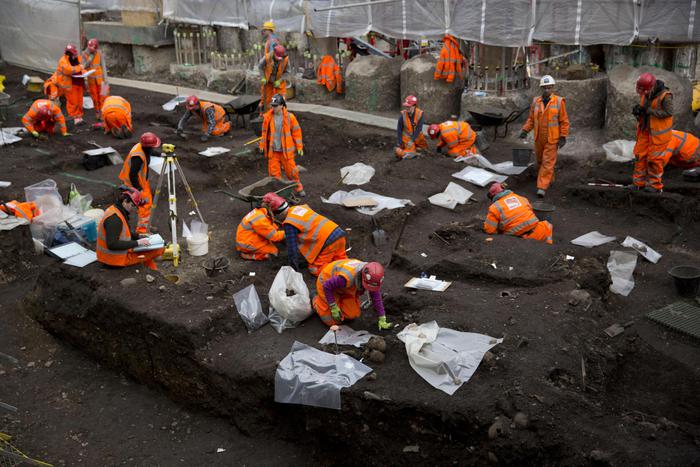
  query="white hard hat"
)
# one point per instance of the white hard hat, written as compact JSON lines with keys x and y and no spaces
{"x":547,"y":80}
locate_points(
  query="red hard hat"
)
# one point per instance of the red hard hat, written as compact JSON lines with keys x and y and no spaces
{"x":434,"y":130}
{"x":72,"y":49}
{"x":280,"y":51}
{"x":93,"y":45}
{"x":372,"y":276}
{"x":495,"y":189}
{"x":149,"y":140}
{"x":645,"y":83}
{"x":410,"y":101}
{"x":191,"y":102}
{"x":129,"y":192}
{"x":43,"y":113}
{"x":275,"y":202}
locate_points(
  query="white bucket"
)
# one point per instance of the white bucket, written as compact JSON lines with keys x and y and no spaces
{"x":198,"y":244}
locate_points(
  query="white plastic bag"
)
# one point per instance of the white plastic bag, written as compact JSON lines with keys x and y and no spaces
{"x":250,"y":309}
{"x":619,"y":150}
{"x":621,"y":265}
{"x":289,"y":295}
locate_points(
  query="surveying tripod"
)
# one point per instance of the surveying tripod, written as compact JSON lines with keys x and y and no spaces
{"x":170,"y":164}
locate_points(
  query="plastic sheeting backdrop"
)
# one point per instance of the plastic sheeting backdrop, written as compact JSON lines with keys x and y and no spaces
{"x":504,"y":23}
{"x":34,"y":33}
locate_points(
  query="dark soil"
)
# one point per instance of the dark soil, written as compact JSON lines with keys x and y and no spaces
{"x":636,"y":405}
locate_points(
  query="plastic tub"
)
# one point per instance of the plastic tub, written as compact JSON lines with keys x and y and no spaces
{"x":543,"y":211}
{"x":198,"y":244}
{"x":687,"y":280}
{"x":43,"y":188}
{"x":521,"y":157}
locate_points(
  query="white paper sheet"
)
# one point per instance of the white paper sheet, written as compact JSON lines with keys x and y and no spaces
{"x":14,"y":130}
{"x":99,"y":151}
{"x":454,"y":194}
{"x":383,"y":202}
{"x":592,"y":239}
{"x":81,"y":260}
{"x":347,"y":336}
{"x":215,"y":151}
{"x":479,"y":177}
{"x":642,"y":248}
{"x":68,"y":250}
{"x":8,"y":138}
{"x":356,"y":174}
{"x":427,"y":283}
{"x":156,"y":242}
{"x":85,"y":75}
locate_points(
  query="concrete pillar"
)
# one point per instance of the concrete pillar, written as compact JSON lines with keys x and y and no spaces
{"x":152,"y":59}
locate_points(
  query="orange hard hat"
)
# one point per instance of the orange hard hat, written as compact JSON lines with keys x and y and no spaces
{"x":149,"y":140}
{"x":191,"y":102}
{"x":372,"y":276}
{"x":434,"y":130}
{"x":645,"y":83}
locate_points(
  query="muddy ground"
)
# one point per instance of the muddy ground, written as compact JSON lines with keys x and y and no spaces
{"x":637,"y":404}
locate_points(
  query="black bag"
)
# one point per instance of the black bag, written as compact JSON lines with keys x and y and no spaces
{"x":95,"y":162}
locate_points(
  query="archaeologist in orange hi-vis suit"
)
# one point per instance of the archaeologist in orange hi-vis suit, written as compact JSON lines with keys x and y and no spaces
{"x":281,"y":138}
{"x":551,"y":123}
{"x":340,"y":286}
{"x":318,"y":239}
{"x":72,"y":88}
{"x":115,"y":241}
{"x":134,"y":174}
{"x":273,"y":67}
{"x":451,"y":62}
{"x":654,"y":125}
{"x":92,"y":59}
{"x":257,"y":233}
{"x":44,"y":116}
{"x":683,"y":150}
{"x":214,"y":118}
{"x":457,"y":138}
{"x":51,"y":87}
{"x":409,"y":130}
{"x":329,"y":74}
{"x":27,"y":211}
{"x":512,"y":214}
{"x":116,"y":117}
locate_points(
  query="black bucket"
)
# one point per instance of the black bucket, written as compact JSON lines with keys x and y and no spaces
{"x":543,"y":211}
{"x":686,"y":279}
{"x":522,"y":157}
{"x":256,"y":126}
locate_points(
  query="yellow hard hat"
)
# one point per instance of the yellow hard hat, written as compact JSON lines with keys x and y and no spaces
{"x":269,"y":25}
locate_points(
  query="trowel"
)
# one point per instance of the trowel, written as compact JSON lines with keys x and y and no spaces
{"x":378,"y":234}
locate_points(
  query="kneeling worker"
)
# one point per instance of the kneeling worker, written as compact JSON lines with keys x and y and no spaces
{"x":319,"y":240}
{"x":512,"y":214}
{"x":214,"y":118}
{"x":44,"y":116}
{"x":26,"y":211}
{"x":114,"y":238}
{"x":409,"y":130}
{"x":340,"y":286}
{"x":116,"y":117}
{"x":457,"y":137}
{"x":257,"y":233}
{"x":683,"y":151}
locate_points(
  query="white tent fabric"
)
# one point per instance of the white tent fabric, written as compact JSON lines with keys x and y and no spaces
{"x":34,"y":33}
{"x":153,"y":6}
{"x":288,"y":15}
{"x":230,"y":13}
{"x":669,"y":20}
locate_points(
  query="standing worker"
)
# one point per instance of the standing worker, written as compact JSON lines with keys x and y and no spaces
{"x":409,"y":131}
{"x":269,"y":37}
{"x":319,"y":240}
{"x":257,"y":233}
{"x":97,"y":81}
{"x":273,"y":67}
{"x":281,"y":138}
{"x":551,"y":123}
{"x":114,"y":238}
{"x":214,"y":118}
{"x":654,"y":124}
{"x":70,"y":87}
{"x":340,"y":286}
{"x":116,"y":117}
{"x":134,"y":174}
{"x":451,"y":63}
{"x":512,"y":214}
{"x":44,"y":116}
{"x":457,"y":137}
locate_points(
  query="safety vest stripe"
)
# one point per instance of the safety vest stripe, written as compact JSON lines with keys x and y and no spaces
{"x":522,"y":226}
{"x":245,"y":246}
{"x":491,"y":223}
{"x":696,"y":156}
{"x":661,"y":132}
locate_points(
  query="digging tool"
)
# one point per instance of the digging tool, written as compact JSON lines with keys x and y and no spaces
{"x":607,"y":185}
{"x":398,"y":239}
{"x":335,"y":328}
{"x":253,"y":141}
{"x":378,"y":234}
{"x":343,"y":177}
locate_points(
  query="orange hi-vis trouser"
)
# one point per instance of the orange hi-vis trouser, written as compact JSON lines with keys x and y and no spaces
{"x":542,"y":232}
{"x":95,"y":89}
{"x":649,"y":162}
{"x":144,"y":257}
{"x":546,"y":154}
{"x":330,"y":253}
{"x":347,"y":300}
{"x":115,"y":119}
{"x":278,"y":160}
{"x":144,"y":212}
{"x":412,"y":146}
{"x":268,"y":90}
{"x":74,"y":101}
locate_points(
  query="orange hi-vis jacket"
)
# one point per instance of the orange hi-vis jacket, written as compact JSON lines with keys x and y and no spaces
{"x":64,"y":74}
{"x":348,"y":268}
{"x":329,"y":74}
{"x":659,"y":128}
{"x":121,"y":109}
{"x":51,"y":87}
{"x":314,"y":230}
{"x":683,"y":149}
{"x":281,"y":68}
{"x":26,"y":211}
{"x":30,"y":119}
{"x":552,"y":119}
{"x":291,"y":133}
{"x":512,"y":214}
{"x":257,"y":233}
{"x":221,"y":124}
{"x":458,"y":137}
{"x":450,"y":63}
{"x":97,"y":64}
{"x":136,"y":151}
{"x":104,"y":254}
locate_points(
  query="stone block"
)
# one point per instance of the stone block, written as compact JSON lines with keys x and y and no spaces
{"x":152,"y":59}
{"x":307,"y":91}
{"x":224,"y":82}
{"x":622,"y":96}
{"x":491,"y":103}
{"x":118,"y":57}
{"x":585,"y":101}
{"x":185,"y":72}
{"x":373,"y":84}
{"x":438,"y":99}
{"x":229,"y":39}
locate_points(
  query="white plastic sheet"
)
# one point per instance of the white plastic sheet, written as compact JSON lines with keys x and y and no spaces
{"x":619,"y":150}
{"x":288,"y":15}
{"x":309,"y":376}
{"x":642,"y":248}
{"x":506,"y":168}
{"x":346,"y":336}
{"x":445,"y":358}
{"x":356,"y":174}
{"x":383,"y":202}
{"x":479,"y":177}
{"x":452,"y":196}
{"x":621,"y":265}
{"x":230,"y":13}
{"x":592,"y":239}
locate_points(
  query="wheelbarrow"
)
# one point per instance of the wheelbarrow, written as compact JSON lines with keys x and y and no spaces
{"x":240,"y":106}
{"x":244,"y":194}
{"x":495,"y":117}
